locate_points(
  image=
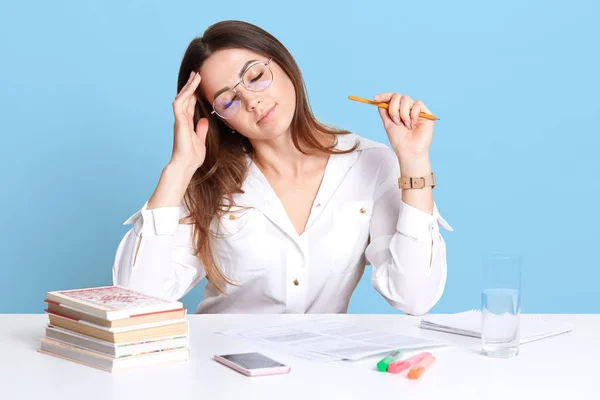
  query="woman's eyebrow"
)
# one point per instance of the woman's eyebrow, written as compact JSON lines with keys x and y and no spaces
{"x":239,"y":76}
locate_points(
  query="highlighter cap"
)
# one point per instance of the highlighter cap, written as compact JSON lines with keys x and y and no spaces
{"x":382,"y":365}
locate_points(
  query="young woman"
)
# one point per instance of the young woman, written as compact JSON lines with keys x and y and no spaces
{"x":279,"y":211}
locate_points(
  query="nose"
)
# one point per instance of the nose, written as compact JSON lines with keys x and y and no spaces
{"x":252,"y":99}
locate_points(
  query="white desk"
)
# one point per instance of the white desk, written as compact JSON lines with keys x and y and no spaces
{"x":562,"y":367}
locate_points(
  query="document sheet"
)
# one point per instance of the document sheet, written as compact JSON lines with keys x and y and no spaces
{"x":326,"y":340}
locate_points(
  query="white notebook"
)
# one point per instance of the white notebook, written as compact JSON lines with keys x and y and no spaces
{"x":468,"y":323}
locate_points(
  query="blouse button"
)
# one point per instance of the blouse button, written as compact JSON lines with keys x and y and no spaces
{"x":296,"y":282}
{"x":318,"y":205}
{"x":231,"y":216}
{"x":362,"y":211}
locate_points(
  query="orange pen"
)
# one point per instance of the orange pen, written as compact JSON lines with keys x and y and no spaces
{"x":385,"y":105}
{"x":416,"y":371}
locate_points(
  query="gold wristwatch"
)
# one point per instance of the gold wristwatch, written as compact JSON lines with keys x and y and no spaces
{"x":417,"y":182}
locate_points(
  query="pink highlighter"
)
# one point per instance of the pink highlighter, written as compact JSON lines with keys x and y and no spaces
{"x":402,"y":365}
{"x":416,"y":371}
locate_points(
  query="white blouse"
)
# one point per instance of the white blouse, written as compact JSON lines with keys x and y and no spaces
{"x":357,"y":218}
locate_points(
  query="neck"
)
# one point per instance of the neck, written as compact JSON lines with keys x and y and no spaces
{"x":279,"y":156}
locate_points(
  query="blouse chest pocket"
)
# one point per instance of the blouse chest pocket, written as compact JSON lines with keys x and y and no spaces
{"x":238,"y":223}
{"x":350,"y":234}
{"x":242,"y":244}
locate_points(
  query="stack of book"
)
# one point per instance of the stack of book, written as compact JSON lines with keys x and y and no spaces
{"x":114,"y":328}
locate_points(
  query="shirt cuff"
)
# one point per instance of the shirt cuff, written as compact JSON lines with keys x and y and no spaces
{"x":419,"y":224}
{"x":158,"y":221}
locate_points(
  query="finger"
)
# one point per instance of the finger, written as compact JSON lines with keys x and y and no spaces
{"x":384,"y":97}
{"x":190,"y":86}
{"x":385,"y":117}
{"x":383,"y":113}
{"x":414,"y":113}
{"x":394,"y":108}
{"x":190,"y":108}
{"x":189,"y":78}
{"x":192,"y":76}
{"x":184,"y":92}
{"x":405,"y":106}
{"x":424,"y":108}
{"x":190,"y":104}
{"x":202,"y":128}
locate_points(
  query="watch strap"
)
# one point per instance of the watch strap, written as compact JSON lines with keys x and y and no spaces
{"x":418,"y":182}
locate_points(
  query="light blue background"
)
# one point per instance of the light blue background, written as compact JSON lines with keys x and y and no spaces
{"x":86,"y":123}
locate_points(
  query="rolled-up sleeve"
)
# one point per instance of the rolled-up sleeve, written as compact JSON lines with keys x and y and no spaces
{"x":156,"y":255}
{"x":407,"y":250}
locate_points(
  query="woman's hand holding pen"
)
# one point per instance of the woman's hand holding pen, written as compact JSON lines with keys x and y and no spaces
{"x":410,"y":138}
{"x":409,"y":135}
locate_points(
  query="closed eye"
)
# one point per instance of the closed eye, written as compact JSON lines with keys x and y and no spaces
{"x":235,"y":98}
{"x":258,"y":77}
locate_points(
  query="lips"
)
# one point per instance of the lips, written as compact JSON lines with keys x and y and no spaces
{"x":267,"y":115}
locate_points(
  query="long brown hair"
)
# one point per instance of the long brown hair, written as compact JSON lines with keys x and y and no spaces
{"x":210,"y":192}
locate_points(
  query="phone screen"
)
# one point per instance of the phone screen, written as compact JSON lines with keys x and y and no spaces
{"x":252,"y":360}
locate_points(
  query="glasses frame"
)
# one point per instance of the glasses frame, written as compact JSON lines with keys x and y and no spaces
{"x":241,"y":82}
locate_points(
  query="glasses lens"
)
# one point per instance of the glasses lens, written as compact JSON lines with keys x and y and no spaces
{"x":257,"y":78}
{"x":227,"y":104}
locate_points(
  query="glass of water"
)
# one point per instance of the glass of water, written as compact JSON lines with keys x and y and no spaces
{"x":501,"y":304}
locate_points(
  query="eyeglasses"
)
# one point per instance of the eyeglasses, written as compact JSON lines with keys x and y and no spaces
{"x":256,"y":78}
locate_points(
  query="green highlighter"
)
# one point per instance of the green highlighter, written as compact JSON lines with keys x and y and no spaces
{"x":382,"y":365}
